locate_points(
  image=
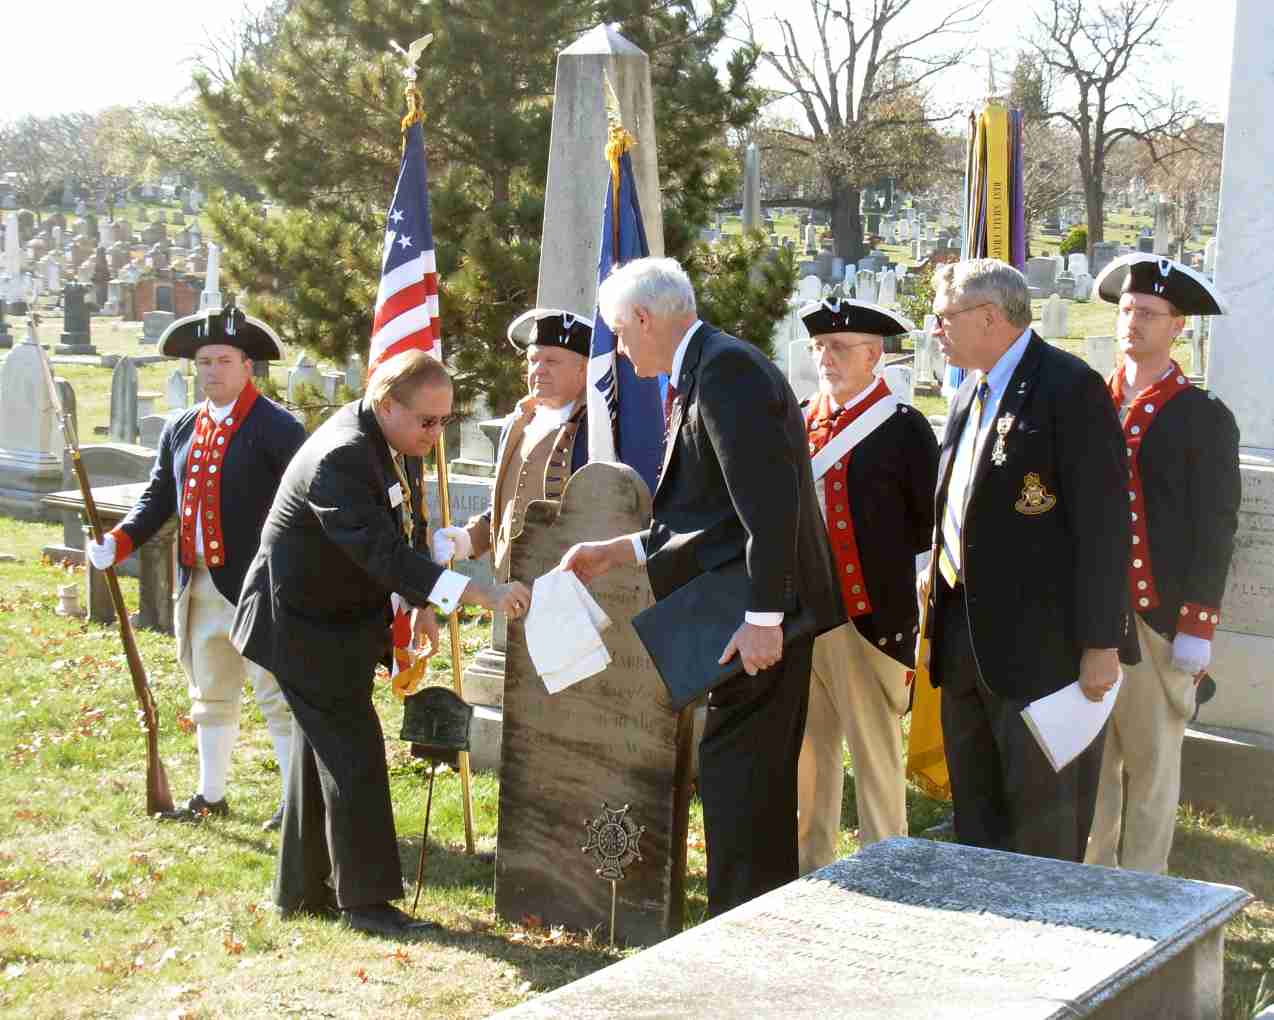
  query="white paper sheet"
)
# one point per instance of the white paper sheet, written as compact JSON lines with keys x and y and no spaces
{"x":1065,"y":722}
{"x":563,"y":631}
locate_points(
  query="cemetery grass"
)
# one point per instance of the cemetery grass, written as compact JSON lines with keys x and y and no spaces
{"x":106,"y":913}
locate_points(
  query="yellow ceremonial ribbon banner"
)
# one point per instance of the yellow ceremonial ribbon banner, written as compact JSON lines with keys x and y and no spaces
{"x":994,"y":130}
{"x":926,"y":757}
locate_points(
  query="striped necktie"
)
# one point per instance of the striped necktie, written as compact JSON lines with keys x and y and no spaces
{"x":404,"y":508}
{"x":949,"y":561}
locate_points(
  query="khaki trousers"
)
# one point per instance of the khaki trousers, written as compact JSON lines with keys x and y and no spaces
{"x":857,"y":694}
{"x":214,"y":669}
{"x":1141,"y":770}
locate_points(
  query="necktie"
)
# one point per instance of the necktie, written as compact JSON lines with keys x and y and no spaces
{"x":404,"y":508}
{"x":958,"y":489}
{"x":670,"y":396}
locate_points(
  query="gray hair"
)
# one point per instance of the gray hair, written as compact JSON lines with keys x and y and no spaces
{"x":660,"y":286}
{"x":988,"y":280}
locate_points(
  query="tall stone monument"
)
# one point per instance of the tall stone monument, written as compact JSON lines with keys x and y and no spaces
{"x":75,"y":337}
{"x":1240,"y":366}
{"x":211,"y":296}
{"x":577,"y":171}
{"x":611,"y":739}
{"x":752,"y":188}
{"x":30,"y":443}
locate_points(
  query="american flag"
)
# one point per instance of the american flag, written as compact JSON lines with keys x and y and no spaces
{"x":407,"y":302}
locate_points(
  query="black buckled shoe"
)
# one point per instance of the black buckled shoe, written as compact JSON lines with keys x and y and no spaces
{"x":196,"y":810}
{"x":275,"y":822}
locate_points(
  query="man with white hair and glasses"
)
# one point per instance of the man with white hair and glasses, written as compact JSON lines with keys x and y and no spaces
{"x":736,"y":488}
{"x":1032,"y":546}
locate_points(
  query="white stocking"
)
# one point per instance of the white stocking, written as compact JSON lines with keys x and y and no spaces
{"x":216,"y":744}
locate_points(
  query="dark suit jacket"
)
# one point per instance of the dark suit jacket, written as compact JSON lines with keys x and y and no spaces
{"x":736,"y":482}
{"x":257,"y":456}
{"x":1045,"y":565}
{"x":314,"y":602}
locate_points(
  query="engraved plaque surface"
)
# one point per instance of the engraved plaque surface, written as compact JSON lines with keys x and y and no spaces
{"x":917,"y":930}
{"x":1248,"y":605}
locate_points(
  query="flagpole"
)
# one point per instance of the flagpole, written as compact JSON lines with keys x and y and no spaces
{"x":453,"y":631}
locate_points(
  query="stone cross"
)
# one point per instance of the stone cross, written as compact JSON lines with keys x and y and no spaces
{"x":577,"y":170}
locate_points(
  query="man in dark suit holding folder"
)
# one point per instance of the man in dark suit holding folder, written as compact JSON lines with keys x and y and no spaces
{"x":735,"y":487}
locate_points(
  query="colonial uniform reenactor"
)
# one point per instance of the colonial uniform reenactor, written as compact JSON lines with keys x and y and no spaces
{"x":1183,"y":494}
{"x":542,"y":442}
{"x":218,"y":466}
{"x":1033,"y":538}
{"x":875,"y":463}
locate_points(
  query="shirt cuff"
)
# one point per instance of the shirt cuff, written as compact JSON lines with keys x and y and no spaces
{"x":639,"y":550}
{"x":447,"y":590}
{"x":922,"y":560}
{"x":763,"y":619}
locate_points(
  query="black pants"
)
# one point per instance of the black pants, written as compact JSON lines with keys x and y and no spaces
{"x":1006,"y":794}
{"x":747,"y":779}
{"x":338,"y":840}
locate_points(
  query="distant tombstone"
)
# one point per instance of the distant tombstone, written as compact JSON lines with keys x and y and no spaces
{"x":106,"y":234}
{"x":75,"y":337}
{"x":810,"y":237}
{"x":1100,"y":352}
{"x":751,"y":214}
{"x":331,"y":383}
{"x":1165,"y":229}
{"x":179,"y":219}
{"x":1104,"y":252}
{"x":1055,"y":319}
{"x":1077,"y":262}
{"x":123,"y":428}
{"x":611,"y":740}
{"x":900,"y":380}
{"x":922,"y":376}
{"x":903,"y":230}
{"x":810,"y":288}
{"x":154,"y":324}
{"x":149,"y":428}
{"x":105,"y":464}
{"x":303,"y":372}
{"x":161,"y":216}
{"x":175,"y":391}
{"x":1040,"y":274}
{"x":1146,"y":245}
{"x":101,"y":277}
{"x":354,"y":378}
{"x":1082,"y":290}
{"x":1209,"y":256}
{"x":887,"y":292}
{"x":30,"y":444}
{"x":915,"y":250}
{"x":1064,"y":285}
{"x":865,"y":286}
{"x":801,"y":373}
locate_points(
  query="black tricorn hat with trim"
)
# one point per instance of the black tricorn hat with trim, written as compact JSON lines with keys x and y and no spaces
{"x":1190,"y":292}
{"x":225,"y":325}
{"x":552,"y":327}
{"x":849,"y":316}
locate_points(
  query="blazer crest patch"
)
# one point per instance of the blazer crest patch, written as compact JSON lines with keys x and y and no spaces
{"x":1035,"y":498}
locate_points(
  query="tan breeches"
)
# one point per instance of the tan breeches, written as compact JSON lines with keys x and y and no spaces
{"x":215,"y":670}
{"x":1141,"y":767}
{"x":855,"y":693}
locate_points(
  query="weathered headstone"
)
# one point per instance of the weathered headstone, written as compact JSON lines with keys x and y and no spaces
{"x":176,"y":391}
{"x":1082,"y":289}
{"x":1100,"y":353}
{"x":900,"y":379}
{"x":30,"y":443}
{"x":1055,"y":325}
{"x":304,"y":372}
{"x":1165,"y":228}
{"x":1077,"y":262}
{"x":1104,"y":252}
{"x":153,"y":326}
{"x":124,"y":402}
{"x":1040,"y":274}
{"x":1209,"y":256}
{"x":612,"y":739}
{"x":865,"y":286}
{"x":105,"y":464}
{"x":913,"y":929}
{"x":75,"y":337}
{"x":810,"y":288}
{"x":573,"y":213}
{"x":354,"y":377}
{"x":801,"y":373}
{"x":887,"y":291}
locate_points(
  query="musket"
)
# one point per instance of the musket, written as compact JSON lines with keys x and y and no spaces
{"x":158,"y":795}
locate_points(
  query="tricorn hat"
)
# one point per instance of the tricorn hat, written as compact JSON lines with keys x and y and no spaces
{"x":225,"y":325}
{"x":845,"y":315}
{"x":1190,"y":292}
{"x":552,"y":327}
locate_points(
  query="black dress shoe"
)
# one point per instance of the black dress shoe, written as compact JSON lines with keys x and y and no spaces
{"x":196,"y":810}
{"x":275,"y":822}
{"x":327,"y":910}
{"x":384,"y":920}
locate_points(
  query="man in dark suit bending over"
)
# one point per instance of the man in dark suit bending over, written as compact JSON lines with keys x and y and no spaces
{"x":1033,"y":540}
{"x":346,"y":531}
{"x":736,"y":483}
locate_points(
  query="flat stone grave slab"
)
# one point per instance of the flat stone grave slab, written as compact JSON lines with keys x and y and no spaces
{"x":910,"y":929}
{"x":612,"y":739}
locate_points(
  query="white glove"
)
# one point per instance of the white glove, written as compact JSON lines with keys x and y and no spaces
{"x":451,"y":543}
{"x":1191,"y":654}
{"x":102,"y":554}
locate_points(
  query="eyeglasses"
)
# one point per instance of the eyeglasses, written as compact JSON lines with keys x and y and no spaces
{"x":428,"y":421}
{"x":1145,"y":313}
{"x":944,"y":319}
